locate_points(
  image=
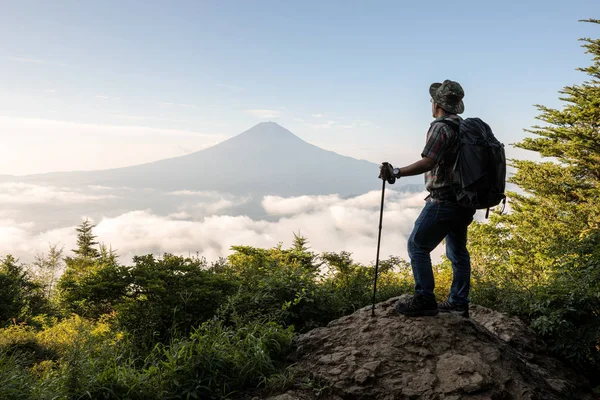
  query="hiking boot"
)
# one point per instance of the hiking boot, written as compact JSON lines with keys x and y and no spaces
{"x":458,"y":309}
{"x":417,"y":306}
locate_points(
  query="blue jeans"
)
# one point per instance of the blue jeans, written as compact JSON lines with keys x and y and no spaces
{"x":437,"y":221}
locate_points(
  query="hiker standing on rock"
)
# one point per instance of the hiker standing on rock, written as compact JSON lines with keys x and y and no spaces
{"x":442,"y":217}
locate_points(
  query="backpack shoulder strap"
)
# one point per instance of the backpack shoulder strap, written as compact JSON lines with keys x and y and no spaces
{"x":454,"y":125}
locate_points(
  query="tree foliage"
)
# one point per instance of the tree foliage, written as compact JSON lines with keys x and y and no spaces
{"x":20,"y":296}
{"x":542,"y":260}
{"x":86,"y":241}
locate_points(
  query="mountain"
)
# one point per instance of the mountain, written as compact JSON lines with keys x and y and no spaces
{"x":266,"y":159}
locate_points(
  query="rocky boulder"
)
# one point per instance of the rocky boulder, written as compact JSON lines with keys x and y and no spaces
{"x":388,"y":356}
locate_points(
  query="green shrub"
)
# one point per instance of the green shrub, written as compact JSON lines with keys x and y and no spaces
{"x":563,"y":311}
{"x":271,"y":287}
{"x":15,"y":381}
{"x":22,"y":341}
{"x":91,"y":288}
{"x":169,"y":296}
{"x":217,"y":361}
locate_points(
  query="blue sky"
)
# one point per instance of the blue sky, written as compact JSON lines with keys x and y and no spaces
{"x":98,"y":84}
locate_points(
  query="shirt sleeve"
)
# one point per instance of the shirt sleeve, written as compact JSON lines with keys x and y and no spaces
{"x":437,"y":142}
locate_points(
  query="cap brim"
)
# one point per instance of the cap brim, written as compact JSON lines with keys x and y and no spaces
{"x":458,"y":109}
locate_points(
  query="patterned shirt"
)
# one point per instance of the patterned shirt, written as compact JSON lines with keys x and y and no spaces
{"x":442,"y":147}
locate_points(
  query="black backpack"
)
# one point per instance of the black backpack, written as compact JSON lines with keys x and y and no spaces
{"x":480,"y":166}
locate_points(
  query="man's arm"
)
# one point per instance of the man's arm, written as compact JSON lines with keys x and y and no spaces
{"x":423,"y":165}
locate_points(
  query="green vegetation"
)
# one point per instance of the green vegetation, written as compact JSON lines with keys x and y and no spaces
{"x":173,"y":327}
{"x":176,"y":327}
{"x":541,"y":261}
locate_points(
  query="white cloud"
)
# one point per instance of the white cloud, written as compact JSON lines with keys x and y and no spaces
{"x":99,"y":187}
{"x":275,"y":205}
{"x":207,"y":203}
{"x":217,"y":206}
{"x":19,"y":193}
{"x":201,"y":193}
{"x":264,"y":113}
{"x":20,"y":239}
{"x":329,"y":222}
{"x":180,"y":215}
{"x":317,"y":115}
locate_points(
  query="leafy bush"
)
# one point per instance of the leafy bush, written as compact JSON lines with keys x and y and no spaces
{"x":169,"y":296}
{"x":564,"y":311}
{"x":276,"y":284}
{"x":91,"y":288}
{"x":85,"y":359}
{"x":62,"y":361}
{"x":352,"y":283}
{"x":216,"y":361}
{"x":297,"y":288}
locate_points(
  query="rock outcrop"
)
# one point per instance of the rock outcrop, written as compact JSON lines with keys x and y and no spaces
{"x":489,"y":356}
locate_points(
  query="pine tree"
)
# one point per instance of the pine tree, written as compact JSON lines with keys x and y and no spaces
{"x":543,"y":257}
{"x":48,"y":267}
{"x":93,"y":280}
{"x":558,"y":216}
{"x":86,"y":241}
{"x":108,"y":255}
{"x":300,"y":243}
{"x":20,"y":297}
{"x":86,"y":262}
{"x":571,"y":136}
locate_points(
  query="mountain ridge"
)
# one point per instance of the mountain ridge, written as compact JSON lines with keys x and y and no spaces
{"x":265,"y":159}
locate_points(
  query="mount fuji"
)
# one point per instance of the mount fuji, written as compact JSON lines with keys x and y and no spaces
{"x":267,"y":159}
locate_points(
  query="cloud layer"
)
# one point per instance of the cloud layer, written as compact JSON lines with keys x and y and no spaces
{"x":18,"y":193}
{"x":329,"y":222}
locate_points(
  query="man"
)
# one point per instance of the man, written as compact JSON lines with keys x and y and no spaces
{"x":441,"y":217}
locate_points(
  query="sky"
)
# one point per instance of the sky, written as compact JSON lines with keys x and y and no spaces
{"x":101,"y":84}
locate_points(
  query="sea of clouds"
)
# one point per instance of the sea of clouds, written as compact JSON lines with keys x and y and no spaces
{"x":207,"y":224}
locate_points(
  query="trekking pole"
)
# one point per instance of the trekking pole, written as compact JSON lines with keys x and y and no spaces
{"x":378,"y":244}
